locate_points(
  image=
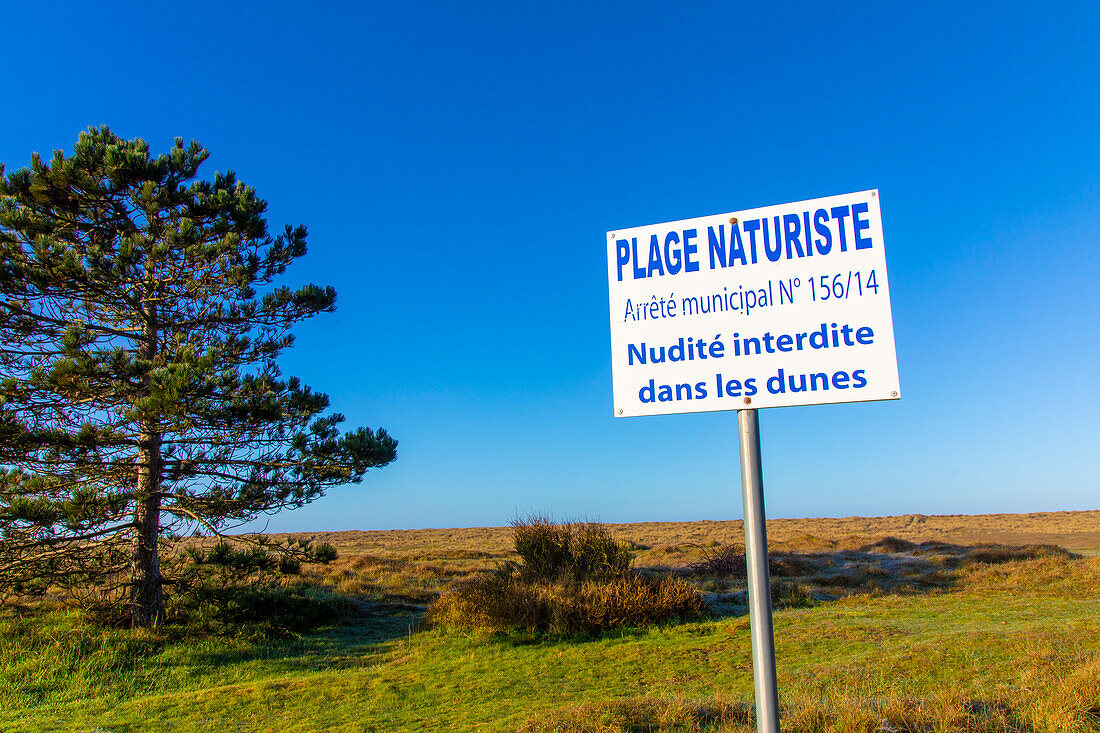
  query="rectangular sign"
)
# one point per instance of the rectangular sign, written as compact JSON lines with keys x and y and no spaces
{"x":771,"y":307}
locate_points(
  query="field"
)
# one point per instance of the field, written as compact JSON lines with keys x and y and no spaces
{"x":915,"y":623}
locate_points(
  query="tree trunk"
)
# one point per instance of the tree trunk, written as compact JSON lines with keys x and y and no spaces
{"x":146,"y":597}
{"x":146,"y":593}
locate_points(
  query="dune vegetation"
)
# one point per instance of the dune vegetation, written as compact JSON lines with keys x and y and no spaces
{"x":965,"y":625}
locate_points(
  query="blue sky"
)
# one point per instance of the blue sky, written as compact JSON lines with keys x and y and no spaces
{"x":458,"y":166}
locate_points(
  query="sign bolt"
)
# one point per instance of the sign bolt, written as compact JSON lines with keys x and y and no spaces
{"x":733,"y":220}
{"x":748,"y":400}
{"x":620,"y":410}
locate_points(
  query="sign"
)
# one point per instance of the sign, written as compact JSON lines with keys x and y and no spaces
{"x":770,"y":307}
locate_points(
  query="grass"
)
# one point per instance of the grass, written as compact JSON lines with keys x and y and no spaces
{"x":1012,"y":645}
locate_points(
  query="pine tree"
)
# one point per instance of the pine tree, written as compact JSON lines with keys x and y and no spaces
{"x":140,"y":324}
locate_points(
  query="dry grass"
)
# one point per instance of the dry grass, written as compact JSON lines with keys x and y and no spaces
{"x":1059,"y":696}
{"x":1057,"y":690}
{"x":644,"y":714}
{"x":939,"y":625}
{"x":886,"y":565}
{"x":820,"y":559}
{"x":811,"y":561}
{"x":1044,"y":575}
{"x":657,"y":542}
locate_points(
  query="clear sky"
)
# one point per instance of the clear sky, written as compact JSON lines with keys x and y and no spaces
{"x":458,"y":165}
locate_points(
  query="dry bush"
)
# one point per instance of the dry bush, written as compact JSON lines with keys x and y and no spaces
{"x":634,"y":600}
{"x":545,"y":547}
{"x":504,"y":601}
{"x":576,"y":551}
{"x":574,"y":579}
{"x":727,"y":561}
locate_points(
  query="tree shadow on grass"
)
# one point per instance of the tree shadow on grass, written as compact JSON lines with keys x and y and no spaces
{"x":356,"y":640}
{"x":60,"y":656}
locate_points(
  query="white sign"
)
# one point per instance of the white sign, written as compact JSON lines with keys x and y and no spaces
{"x":770,"y":307}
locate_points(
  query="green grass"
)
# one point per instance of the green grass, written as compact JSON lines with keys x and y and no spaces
{"x":1018,"y":642}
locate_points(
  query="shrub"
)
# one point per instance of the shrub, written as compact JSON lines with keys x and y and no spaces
{"x":577,"y":551}
{"x":255,"y":584}
{"x":574,"y":578}
{"x":635,"y":600}
{"x":269,"y":608}
{"x":543,"y":546}
{"x":725,"y":561}
{"x":504,"y":601}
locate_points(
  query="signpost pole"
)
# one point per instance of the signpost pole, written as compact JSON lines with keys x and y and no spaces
{"x":821,"y":333}
{"x":756,"y":562}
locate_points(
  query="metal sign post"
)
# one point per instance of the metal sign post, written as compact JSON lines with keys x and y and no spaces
{"x":775,"y":306}
{"x":756,"y":565}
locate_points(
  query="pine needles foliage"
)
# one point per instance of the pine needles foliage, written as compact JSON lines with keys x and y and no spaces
{"x":248,"y":583}
{"x":141,"y":318}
